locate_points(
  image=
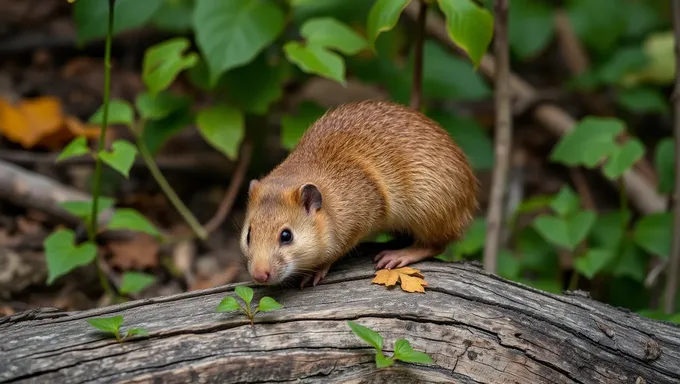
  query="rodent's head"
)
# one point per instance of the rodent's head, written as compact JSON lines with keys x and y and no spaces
{"x":285,"y":230}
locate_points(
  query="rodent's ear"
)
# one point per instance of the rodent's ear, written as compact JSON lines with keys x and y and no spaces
{"x":310,"y":197}
{"x":253,"y":184}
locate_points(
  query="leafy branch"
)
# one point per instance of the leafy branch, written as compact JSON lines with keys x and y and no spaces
{"x":111,"y":325}
{"x":402,"y":348}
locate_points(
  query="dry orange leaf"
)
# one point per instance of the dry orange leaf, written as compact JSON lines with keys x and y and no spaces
{"x":40,"y":121}
{"x":411,"y":279}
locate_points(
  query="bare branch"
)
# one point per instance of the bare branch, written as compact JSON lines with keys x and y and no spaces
{"x":417,"y":86}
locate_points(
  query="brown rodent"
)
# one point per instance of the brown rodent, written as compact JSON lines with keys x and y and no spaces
{"x":361,"y":168}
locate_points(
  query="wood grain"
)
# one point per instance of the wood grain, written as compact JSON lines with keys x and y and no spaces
{"x":477,"y":327}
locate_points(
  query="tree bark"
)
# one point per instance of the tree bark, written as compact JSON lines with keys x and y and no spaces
{"x":477,"y":327}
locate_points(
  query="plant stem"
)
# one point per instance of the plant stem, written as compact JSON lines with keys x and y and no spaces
{"x":96,"y":188}
{"x":417,"y":86}
{"x":674,"y":262}
{"x":503,"y":133}
{"x":573,"y":282}
{"x":170,"y":193}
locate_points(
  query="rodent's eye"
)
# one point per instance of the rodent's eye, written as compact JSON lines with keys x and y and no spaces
{"x":286,"y":236}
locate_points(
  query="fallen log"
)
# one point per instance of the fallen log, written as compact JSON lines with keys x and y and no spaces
{"x":477,"y":327}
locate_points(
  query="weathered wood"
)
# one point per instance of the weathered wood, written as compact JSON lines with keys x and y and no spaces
{"x":477,"y":327}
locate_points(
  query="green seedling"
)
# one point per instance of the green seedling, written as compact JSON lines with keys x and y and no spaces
{"x":402,"y":348}
{"x":112,"y":325}
{"x":229,"y":303}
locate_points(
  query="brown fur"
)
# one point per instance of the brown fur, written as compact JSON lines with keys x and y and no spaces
{"x":379,"y":166}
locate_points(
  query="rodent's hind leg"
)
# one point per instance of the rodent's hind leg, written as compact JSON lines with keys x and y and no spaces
{"x":397,"y":258}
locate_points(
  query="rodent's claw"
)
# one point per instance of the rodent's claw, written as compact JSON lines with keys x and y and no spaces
{"x":318,"y":276}
{"x":397,"y":258}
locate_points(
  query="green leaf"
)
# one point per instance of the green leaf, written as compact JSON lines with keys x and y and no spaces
{"x":534,"y":203}
{"x":469,"y":26}
{"x":531,"y":27}
{"x":537,"y":254}
{"x":245,"y":293}
{"x":231,"y":33}
{"x":268,"y":304}
{"x":565,"y":232}
{"x":623,"y":62}
{"x":63,"y":255}
{"x":294,"y":126}
{"x":383,"y":16}
{"x":228,"y":304}
{"x":107,"y":324}
{"x":76,"y":147}
{"x":566,"y":201}
{"x":600,"y":24}
{"x":660,"y":65}
{"x":471,"y":137}
{"x":368,"y":335}
{"x":623,"y":158}
{"x":164,"y":61}
{"x":382,"y":361}
{"x":591,"y":141}
{"x":131,"y":220}
{"x":608,"y":230}
{"x":134,"y":282}
{"x":159,"y":106}
{"x":317,"y":60}
{"x":643,"y":100}
{"x":223,"y":127}
{"x":157,"y":132}
{"x":664,"y":161}
{"x":631,"y":262}
{"x":91,"y":16}
{"x":593,"y":261}
{"x":120,"y":112}
{"x":137,"y":332}
{"x":508,"y":266}
{"x":328,"y":32}
{"x":121,"y":157}
{"x":83,"y":209}
{"x":254,"y":87}
{"x":174,"y":16}
{"x":404,"y":352}
{"x":473,"y":240}
{"x":654,"y":233}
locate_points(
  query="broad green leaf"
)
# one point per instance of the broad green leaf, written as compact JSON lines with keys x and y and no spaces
{"x":591,"y":141}
{"x":508,"y":266}
{"x":623,"y":62}
{"x":537,"y":254}
{"x":294,"y":126}
{"x":382,"y":361}
{"x":660,"y":66}
{"x":469,"y":26}
{"x":641,"y":18}
{"x":121,"y":157}
{"x":268,"y":304}
{"x":231,"y":33}
{"x":593,"y":261}
{"x":254,"y":87}
{"x":664,"y":161}
{"x":120,"y":112}
{"x":83,"y":209}
{"x":600,"y":24}
{"x":654,"y":233}
{"x":76,"y":147}
{"x":352,"y":12}
{"x":329,"y":33}
{"x":137,"y":332}
{"x":228,"y":304}
{"x":643,"y":100}
{"x":91,"y":16}
{"x":313,"y":59}
{"x":566,"y":201}
{"x":608,"y":230}
{"x":107,"y":324}
{"x":159,"y":106}
{"x":368,"y":335}
{"x":223,"y":127}
{"x":383,"y":16}
{"x":164,"y":61}
{"x":474,"y":238}
{"x":446,"y":76}
{"x":531,"y":27}
{"x":245,"y":293}
{"x":174,"y":16}
{"x":157,"y":132}
{"x":631,"y":262}
{"x":471,"y":137}
{"x":623,"y":158}
{"x":565,"y":232}
{"x":63,"y":255}
{"x":135,"y":282}
{"x":131,"y":220}
{"x":404,"y":352}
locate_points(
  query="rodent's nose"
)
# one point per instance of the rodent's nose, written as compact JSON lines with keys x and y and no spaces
{"x":261,"y":276}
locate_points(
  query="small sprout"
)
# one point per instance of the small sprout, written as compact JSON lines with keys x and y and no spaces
{"x":402,"y":348}
{"x":229,"y":303}
{"x":112,"y":325}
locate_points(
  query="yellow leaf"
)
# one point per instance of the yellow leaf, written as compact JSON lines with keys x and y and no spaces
{"x":31,"y":120}
{"x":411,"y":279}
